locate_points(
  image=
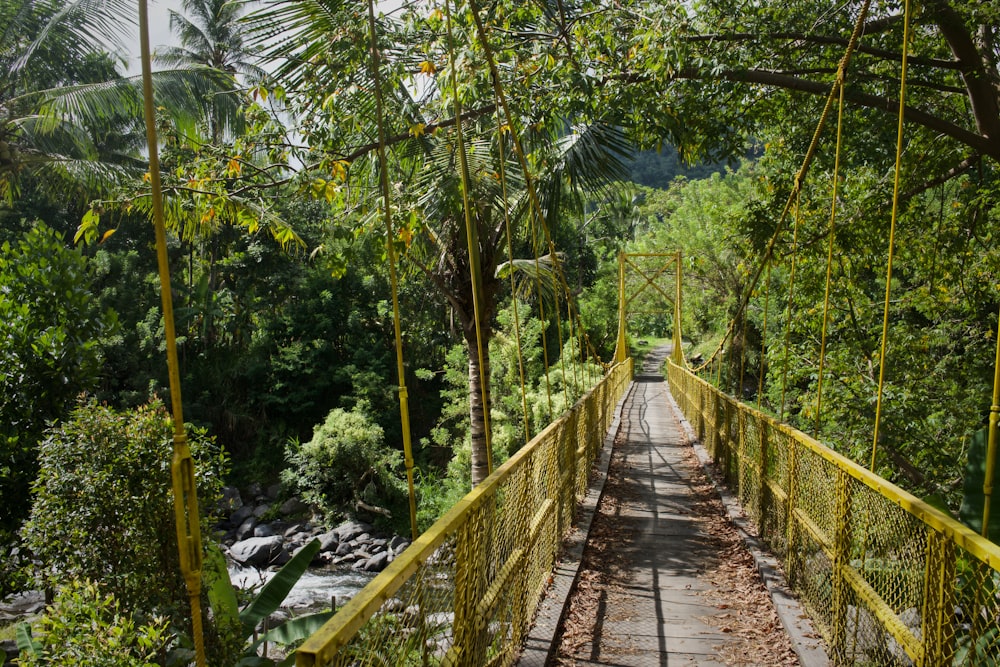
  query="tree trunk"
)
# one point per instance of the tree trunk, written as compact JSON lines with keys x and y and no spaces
{"x":479,"y":407}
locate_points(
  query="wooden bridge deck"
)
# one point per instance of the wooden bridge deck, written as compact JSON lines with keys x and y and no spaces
{"x":649,"y":590}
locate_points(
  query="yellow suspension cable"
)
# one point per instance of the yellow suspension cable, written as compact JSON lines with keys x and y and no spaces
{"x":743,"y":355}
{"x":763,"y":338}
{"x":791,"y":294}
{"x":991,"y":446}
{"x":513,"y":286}
{"x":800,"y":177}
{"x":472,"y":236}
{"x":404,"y":409}
{"x":892,"y":229}
{"x":541,"y":307}
{"x":573,"y":335}
{"x":186,"y":515}
{"x":841,"y":74}
{"x":562,"y":357}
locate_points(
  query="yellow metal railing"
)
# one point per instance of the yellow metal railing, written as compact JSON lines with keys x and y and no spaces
{"x":886,"y":578}
{"x":465,"y":591}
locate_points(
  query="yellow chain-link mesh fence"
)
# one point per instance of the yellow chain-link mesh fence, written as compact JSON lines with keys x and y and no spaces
{"x":464,"y":592}
{"x":886,"y":578}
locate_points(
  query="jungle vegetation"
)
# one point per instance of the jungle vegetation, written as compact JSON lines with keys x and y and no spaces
{"x":269,"y":123}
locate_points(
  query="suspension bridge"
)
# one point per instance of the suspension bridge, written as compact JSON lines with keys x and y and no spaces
{"x":886,"y":578}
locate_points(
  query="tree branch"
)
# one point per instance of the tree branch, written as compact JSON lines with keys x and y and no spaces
{"x":983,"y":144}
{"x":885,"y":54}
{"x":982,"y":94}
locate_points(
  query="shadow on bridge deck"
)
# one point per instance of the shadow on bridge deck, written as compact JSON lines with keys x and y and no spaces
{"x":655,"y":600}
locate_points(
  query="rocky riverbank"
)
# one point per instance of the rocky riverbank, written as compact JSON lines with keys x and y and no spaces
{"x":264,"y":533}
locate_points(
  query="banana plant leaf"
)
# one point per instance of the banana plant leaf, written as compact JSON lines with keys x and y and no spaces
{"x":218,"y":585}
{"x":276,"y":589}
{"x":293,"y":630}
{"x":25,"y":642}
{"x":971,"y":511}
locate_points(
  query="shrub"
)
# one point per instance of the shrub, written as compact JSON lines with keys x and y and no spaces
{"x":103,"y":507}
{"x":85,"y":627}
{"x":347,"y":466}
{"x":50,"y":324}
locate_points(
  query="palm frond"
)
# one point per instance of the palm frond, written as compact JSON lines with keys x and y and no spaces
{"x":531,"y":275}
{"x":81,"y":26}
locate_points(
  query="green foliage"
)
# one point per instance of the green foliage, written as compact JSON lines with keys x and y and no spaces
{"x":347,"y":465}
{"x":50,"y":326}
{"x":973,"y":498}
{"x":225,"y":612}
{"x":88,"y":627}
{"x":103,"y":509}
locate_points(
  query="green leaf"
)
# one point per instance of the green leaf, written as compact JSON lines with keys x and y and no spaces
{"x":221,"y":594}
{"x":276,"y":590}
{"x":25,"y":642}
{"x":293,"y":630}
{"x":971,"y":511}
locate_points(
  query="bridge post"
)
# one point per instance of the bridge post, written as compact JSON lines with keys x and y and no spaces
{"x":621,"y":349}
{"x":678,"y":352}
{"x":841,"y":551}
{"x":938,"y":632}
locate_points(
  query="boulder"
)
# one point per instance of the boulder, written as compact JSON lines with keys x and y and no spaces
{"x":261,"y":510}
{"x":298,"y":529}
{"x":350,"y":530}
{"x":264,"y":530}
{"x":20,"y":605}
{"x":329,"y":541}
{"x":293,"y":507}
{"x":377,"y":563}
{"x":397,"y":544}
{"x":343,"y":549}
{"x":243,"y":513}
{"x":260,"y":551}
{"x":246,"y":528}
{"x":273,"y":491}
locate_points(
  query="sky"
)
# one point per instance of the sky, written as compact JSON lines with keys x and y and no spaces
{"x":159,"y":31}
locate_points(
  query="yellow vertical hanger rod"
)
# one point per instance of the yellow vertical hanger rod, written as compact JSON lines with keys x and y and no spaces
{"x":991,"y":446}
{"x":404,"y":405}
{"x":892,"y":231}
{"x":182,"y":467}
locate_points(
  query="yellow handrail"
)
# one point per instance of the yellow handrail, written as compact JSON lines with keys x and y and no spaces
{"x":881,"y":572}
{"x":467,"y":588}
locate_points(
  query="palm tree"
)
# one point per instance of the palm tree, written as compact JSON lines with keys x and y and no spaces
{"x":442,"y":252}
{"x":66,"y":115}
{"x":324,"y":55}
{"x":211,"y":36}
{"x":51,"y":50}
